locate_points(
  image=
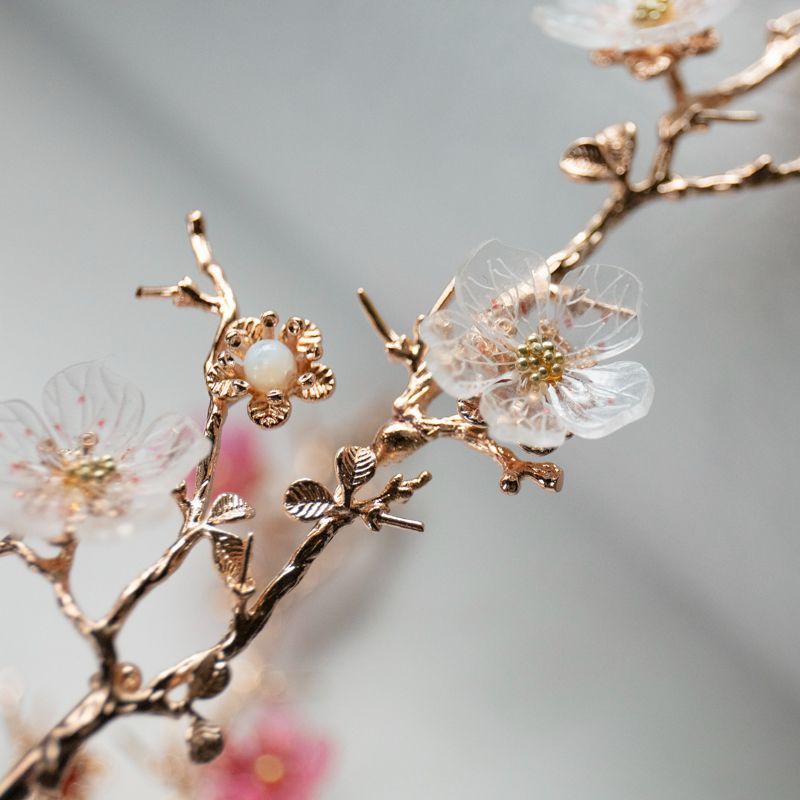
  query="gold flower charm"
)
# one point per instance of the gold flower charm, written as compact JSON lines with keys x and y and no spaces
{"x":271,"y":369}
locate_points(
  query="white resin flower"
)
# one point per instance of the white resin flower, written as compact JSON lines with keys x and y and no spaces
{"x":629,"y":24}
{"x":89,"y":465}
{"x":536,"y":356}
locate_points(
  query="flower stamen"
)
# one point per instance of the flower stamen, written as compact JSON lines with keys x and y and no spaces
{"x":540,"y":359}
{"x":649,"y":13}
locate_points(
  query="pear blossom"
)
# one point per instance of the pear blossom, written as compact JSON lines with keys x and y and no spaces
{"x":626,"y":25}
{"x":535,"y":354}
{"x":87,"y":462}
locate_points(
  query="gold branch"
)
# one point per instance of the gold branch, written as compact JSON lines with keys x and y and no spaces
{"x":692,"y":112}
{"x":57,"y":571}
{"x":761,"y":171}
{"x":117,"y":691}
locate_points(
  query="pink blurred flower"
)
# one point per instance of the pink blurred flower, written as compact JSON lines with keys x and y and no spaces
{"x":240,"y":468}
{"x":275,"y":760}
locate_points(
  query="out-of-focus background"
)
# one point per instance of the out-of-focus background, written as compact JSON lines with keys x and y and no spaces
{"x":635,"y":636}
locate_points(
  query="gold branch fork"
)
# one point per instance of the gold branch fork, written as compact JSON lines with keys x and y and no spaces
{"x":117,"y":688}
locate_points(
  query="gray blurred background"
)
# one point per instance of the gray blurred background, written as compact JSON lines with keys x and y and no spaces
{"x":635,"y":636}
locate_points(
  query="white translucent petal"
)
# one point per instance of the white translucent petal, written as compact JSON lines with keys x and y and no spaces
{"x":463,"y":359}
{"x":592,"y":29}
{"x":600,"y":309}
{"x":16,"y":518}
{"x":168,"y":449}
{"x":599,"y":400}
{"x":89,"y":398}
{"x":498,"y":286}
{"x":21,"y":432}
{"x":521,"y":416}
{"x":609,"y":24}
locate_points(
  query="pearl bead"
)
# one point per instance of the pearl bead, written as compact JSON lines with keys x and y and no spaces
{"x":269,"y":365}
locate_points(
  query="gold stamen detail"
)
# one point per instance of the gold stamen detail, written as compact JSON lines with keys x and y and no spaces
{"x":539,"y":359}
{"x":649,"y":13}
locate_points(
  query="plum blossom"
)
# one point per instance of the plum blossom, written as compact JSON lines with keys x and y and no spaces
{"x":535,"y":354}
{"x":87,"y":463}
{"x":271,"y":368}
{"x":629,"y":24}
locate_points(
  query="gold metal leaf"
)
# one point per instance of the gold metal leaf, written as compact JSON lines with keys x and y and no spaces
{"x":232,"y":556}
{"x":309,"y":342}
{"x":205,"y":740}
{"x":584,"y":161}
{"x":319,"y":385}
{"x":242,"y":333}
{"x":210,"y":678}
{"x":307,"y":500}
{"x":269,"y":411}
{"x":230,"y":507}
{"x":355,"y":466}
{"x":469,"y":409}
{"x":618,"y":143}
{"x":225,"y":378}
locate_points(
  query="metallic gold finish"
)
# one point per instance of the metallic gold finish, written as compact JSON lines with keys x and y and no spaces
{"x":118,"y":689}
{"x":649,"y":62}
{"x":649,"y":13}
{"x":609,"y":155}
{"x":539,"y":359}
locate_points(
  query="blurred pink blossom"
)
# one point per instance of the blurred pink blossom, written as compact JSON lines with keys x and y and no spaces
{"x":241,"y":469}
{"x":275,"y":760}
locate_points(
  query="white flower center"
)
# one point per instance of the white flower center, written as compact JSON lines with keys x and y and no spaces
{"x":539,"y":359}
{"x":649,"y":13}
{"x":88,"y":472}
{"x":79,"y":481}
{"x":269,"y":365}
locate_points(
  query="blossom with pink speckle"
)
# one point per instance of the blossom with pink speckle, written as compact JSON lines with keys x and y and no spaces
{"x":88,"y":464}
{"x":535,"y":354}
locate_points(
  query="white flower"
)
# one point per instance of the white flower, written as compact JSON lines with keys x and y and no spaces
{"x":629,"y":24}
{"x":536,"y":356}
{"x":89,"y":464}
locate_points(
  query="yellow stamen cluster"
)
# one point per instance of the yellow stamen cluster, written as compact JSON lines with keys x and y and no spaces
{"x":652,"y":12}
{"x":89,"y":470}
{"x":269,"y":769}
{"x":80,"y":468}
{"x":540,"y":360}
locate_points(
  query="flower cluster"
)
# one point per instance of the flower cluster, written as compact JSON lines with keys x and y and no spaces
{"x":271,"y":369}
{"x":535,"y":353}
{"x":89,"y":462}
